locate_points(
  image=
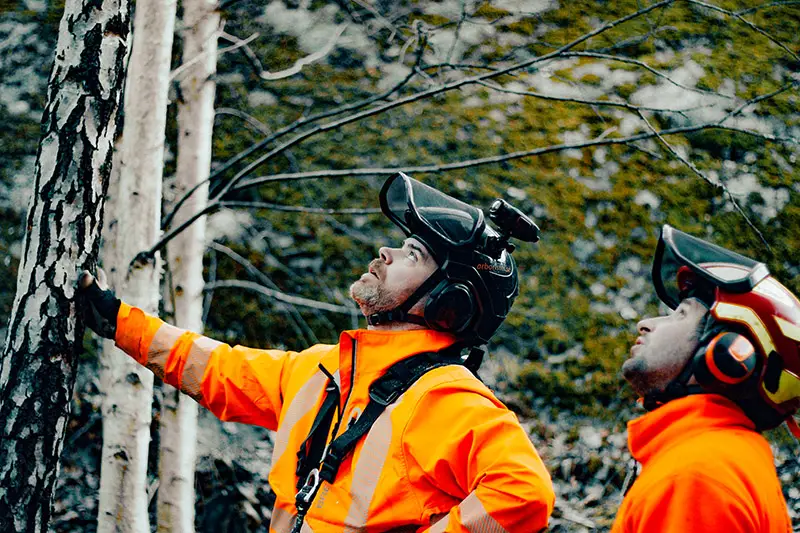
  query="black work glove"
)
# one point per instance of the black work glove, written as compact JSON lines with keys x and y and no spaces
{"x":99,"y":306}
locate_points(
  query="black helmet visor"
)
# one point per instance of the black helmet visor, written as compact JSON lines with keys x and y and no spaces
{"x":437,"y":218}
{"x":682,"y":261}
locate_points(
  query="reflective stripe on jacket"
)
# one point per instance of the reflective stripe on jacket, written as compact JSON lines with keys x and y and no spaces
{"x":446,"y":457}
{"x":704,"y":469}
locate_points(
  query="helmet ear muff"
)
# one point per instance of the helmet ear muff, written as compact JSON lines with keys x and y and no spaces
{"x":728,"y":360}
{"x":450,"y":307}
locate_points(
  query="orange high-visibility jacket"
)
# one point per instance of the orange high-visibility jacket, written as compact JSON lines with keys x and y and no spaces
{"x":447,"y":456}
{"x":704,"y":469}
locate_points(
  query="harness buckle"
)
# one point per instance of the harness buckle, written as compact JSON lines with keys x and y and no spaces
{"x":382,"y":394}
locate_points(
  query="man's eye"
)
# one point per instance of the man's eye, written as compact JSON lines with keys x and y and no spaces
{"x":412,"y":255}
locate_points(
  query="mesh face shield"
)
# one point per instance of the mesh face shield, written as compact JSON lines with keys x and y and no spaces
{"x":438,"y":220}
{"x":684,"y":264}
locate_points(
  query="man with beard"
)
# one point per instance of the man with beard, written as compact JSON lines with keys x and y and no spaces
{"x":389,"y":430}
{"x":720,"y":369}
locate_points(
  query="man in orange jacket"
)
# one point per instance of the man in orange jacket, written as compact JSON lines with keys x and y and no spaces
{"x":720,"y":369}
{"x":389,"y":430}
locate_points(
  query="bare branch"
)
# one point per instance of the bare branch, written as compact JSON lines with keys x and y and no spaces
{"x":757,"y":99}
{"x":599,"y":103}
{"x":297,"y":124}
{"x":705,"y":178}
{"x":302,"y":62}
{"x":767,"y":5}
{"x":178,"y":72}
{"x":301,"y":326}
{"x":458,"y":165}
{"x":430,"y":92}
{"x":280,"y":296}
{"x":257,"y":125}
{"x":387,"y":106}
{"x":749,"y":24}
{"x":297,"y":209}
{"x":647,"y":67}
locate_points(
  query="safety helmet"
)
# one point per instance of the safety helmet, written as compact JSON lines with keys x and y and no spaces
{"x":476,"y":282}
{"x":754,"y":321}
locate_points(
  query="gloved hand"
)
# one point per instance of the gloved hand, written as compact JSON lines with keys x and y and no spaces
{"x":98,"y":304}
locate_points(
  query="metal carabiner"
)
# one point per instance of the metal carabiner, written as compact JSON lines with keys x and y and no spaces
{"x":307,"y":492}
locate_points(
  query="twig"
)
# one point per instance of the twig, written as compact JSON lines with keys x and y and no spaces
{"x":433,"y":169}
{"x":387,"y":106}
{"x":757,"y":99}
{"x":280,"y":296}
{"x":301,"y":326}
{"x":767,"y":5}
{"x":428,"y":93}
{"x":176,"y":74}
{"x":705,"y":178}
{"x":259,"y":126}
{"x":749,"y":24}
{"x":215,"y":205}
{"x":302,"y":62}
{"x":297,"y":124}
{"x":231,"y":204}
{"x":647,"y":67}
{"x":599,"y":103}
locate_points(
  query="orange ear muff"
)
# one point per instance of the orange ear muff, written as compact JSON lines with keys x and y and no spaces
{"x":729,"y":359}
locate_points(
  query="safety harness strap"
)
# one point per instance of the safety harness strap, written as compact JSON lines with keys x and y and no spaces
{"x":315,"y":464}
{"x":312,"y":450}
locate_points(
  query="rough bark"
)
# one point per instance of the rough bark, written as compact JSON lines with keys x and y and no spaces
{"x":128,"y":387}
{"x":37,"y":366}
{"x":178,"y":431}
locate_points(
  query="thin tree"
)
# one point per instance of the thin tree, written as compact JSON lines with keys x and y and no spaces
{"x":38,"y":363}
{"x":178,"y":431}
{"x":128,"y":388}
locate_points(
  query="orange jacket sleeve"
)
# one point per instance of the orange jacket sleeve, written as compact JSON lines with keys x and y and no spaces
{"x":235,"y":383}
{"x":688,"y":502}
{"x":471,"y":447}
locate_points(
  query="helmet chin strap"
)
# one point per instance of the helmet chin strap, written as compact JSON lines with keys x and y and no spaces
{"x":401,"y":312}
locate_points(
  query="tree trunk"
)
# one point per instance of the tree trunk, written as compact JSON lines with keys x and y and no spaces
{"x":37,"y":367}
{"x":128,"y":387}
{"x":178,"y":431}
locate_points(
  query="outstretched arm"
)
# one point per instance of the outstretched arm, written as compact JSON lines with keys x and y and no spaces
{"x":235,"y":383}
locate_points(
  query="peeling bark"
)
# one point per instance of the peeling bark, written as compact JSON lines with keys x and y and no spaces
{"x":38,"y":362}
{"x":128,"y":387}
{"x":178,"y":432}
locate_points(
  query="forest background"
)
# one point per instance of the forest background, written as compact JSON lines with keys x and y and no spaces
{"x":589,"y":168}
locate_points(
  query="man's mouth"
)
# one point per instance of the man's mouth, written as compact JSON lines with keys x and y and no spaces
{"x":373,"y":272}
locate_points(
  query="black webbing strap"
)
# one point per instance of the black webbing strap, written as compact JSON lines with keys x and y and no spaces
{"x":310,"y":454}
{"x":382,"y":393}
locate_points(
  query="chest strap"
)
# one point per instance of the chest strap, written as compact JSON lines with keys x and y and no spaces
{"x":315,"y":463}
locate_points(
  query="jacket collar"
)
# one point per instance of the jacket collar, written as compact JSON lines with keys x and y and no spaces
{"x":367,"y":354}
{"x":681,"y":419}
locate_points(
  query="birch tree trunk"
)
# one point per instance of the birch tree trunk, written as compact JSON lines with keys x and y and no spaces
{"x":178,"y":430}
{"x":37,"y":366}
{"x":128,"y":387}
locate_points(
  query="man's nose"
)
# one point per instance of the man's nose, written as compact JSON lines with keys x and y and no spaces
{"x":386,"y":254}
{"x":646,"y":326}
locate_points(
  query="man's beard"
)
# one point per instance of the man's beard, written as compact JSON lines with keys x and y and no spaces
{"x":372,"y":298}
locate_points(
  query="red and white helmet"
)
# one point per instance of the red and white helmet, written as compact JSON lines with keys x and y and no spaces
{"x":739,"y":292}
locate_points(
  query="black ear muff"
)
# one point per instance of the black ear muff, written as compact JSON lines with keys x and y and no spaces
{"x":451,"y":307}
{"x":728,"y":360}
